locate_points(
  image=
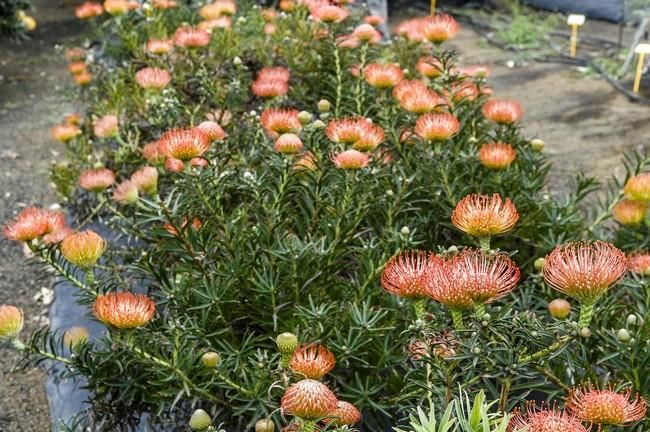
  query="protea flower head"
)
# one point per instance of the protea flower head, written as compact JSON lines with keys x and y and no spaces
{"x":200,"y":421}
{"x":347,"y":130}
{"x":96,"y":179}
{"x":407,"y":274}
{"x":312,"y":361}
{"x":32,"y":223}
{"x":174,"y":165}
{"x":411,"y":29}
{"x":439,"y":28}
{"x":366,"y":33}
{"x":57,"y":236}
{"x":374,"y":20}
{"x":189,"y":37}
{"x":545,"y":420}
{"x":83,"y":249}
{"x":65,"y":132}
{"x":151,"y":152}
{"x":503,"y":111}
{"x":328,"y":13}
{"x":277,"y":121}
{"x":637,"y":188}
{"x":463,"y":90}
{"x":77,"y":67}
{"x":605,"y":407}
{"x":584,"y":270}
{"x":217,"y":9}
{"x":407,"y":86}
{"x":308,"y":399}
{"x":75,"y":336}
{"x":82,"y":79}
{"x":287,"y":343}
{"x":474,"y":71}
{"x":371,"y":136}
{"x":212,"y":129}
{"x":344,"y":414}
{"x":421,"y":101}
{"x":437,"y":126}
{"x":126,"y":193}
{"x":269,"y":88}
{"x":306,"y":161}
{"x":146,"y":179}
{"x":288,"y":143}
{"x":106,"y":126}
{"x":275,"y":73}
{"x":88,"y":10}
{"x":75,"y":54}
{"x":383,"y":76}
{"x":116,"y":7}
{"x":350,"y":160}
{"x":484,"y":216}
{"x":497,"y":155}
{"x":429,"y":67}
{"x":163,"y":4}
{"x":72,"y":118}
{"x":184,"y":144}
{"x":639,"y":262}
{"x":269,"y":14}
{"x":11,"y":321}
{"x":124,"y":310}
{"x":159,"y":46}
{"x":151,"y":78}
{"x":630,"y":213}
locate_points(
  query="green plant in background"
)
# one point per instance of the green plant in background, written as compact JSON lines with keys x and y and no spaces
{"x":14,"y":21}
{"x":526,"y":31}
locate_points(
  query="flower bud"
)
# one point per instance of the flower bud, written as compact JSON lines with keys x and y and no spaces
{"x":11,"y":321}
{"x":324,"y":105}
{"x":318,"y":124}
{"x":539,"y":264}
{"x":559,"y":308}
{"x":210,"y":359}
{"x":623,"y":335}
{"x":265,"y":425}
{"x":75,"y":336}
{"x":237,"y":61}
{"x":287,"y":343}
{"x":83,"y":249}
{"x":405,"y":231}
{"x":304,"y":117}
{"x":200,"y":420}
{"x":537,"y":144}
{"x":476,"y":351}
{"x":632,"y":319}
{"x":585,"y":332}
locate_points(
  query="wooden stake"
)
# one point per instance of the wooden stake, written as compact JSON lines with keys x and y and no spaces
{"x":433,"y":7}
{"x":639,"y":69}
{"x":574,"y":39}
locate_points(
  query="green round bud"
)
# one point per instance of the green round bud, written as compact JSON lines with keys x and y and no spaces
{"x":476,"y":350}
{"x":304,"y":117}
{"x":485,"y":323}
{"x":405,"y":231}
{"x":539,"y":264}
{"x":559,"y":308}
{"x":623,"y":335}
{"x":585,"y":332}
{"x":287,"y":343}
{"x":265,"y":425}
{"x":318,"y":124}
{"x":632,"y":319}
{"x":237,"y":61}
{"x":390,"y":193}
{"x":324,"y":116}
{"x":324,"y":105}
{"x":486,"y":317}
{"x":200,"y":420}
{"x":537,"y":144}
{"x":210,"y":359}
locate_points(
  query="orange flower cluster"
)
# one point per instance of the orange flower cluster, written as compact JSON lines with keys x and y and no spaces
{"x":271,"y":82}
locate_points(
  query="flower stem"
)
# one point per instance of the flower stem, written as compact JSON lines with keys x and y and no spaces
{"x":546,"y":351}
{"x":586,"y":314}
{"x":420,"y":307}
{"x":484,"y":242}
{"x":480,"y":310}
{"x":457,"y":318}
{"x":308,"y":425}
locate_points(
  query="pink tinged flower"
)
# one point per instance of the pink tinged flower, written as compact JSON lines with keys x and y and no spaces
{"x":116,"y":7}
{"x":421,"y":101}
{"x":77,"y":67}
{"x":269,"y":28}
{"x":83,"y":249}
{"x":72,"y":119}
{"x":106,"y":126}
{"x":210,"y":25}
{"x":408,"y":273}
{"x":329,"y":13}
{"x":184,"y":144}
{"x":65,"y":132}
{"x":11,"y":322}
{"x":584,"y":270}
{"x":153,"y":78}
{"x":188,"y":37}
{"x":163,"y":4}
{"x":605,"y":407}
{"x":75,"y":54}
{"x":277,"y":73}
{"x":33,"y":223}
{"x":57,"y":236}
{"x":383,"y":76}
{"x":269,"y":89}
{"x":75,"y":336}
{"x":199,"y":162}
{"x":349,"y":42}
{"x":475,"y":71}
{"x":344,"y":414}
{"x":351,"y":160}
{"x":630,"y":213}
{"x":312,"y":361}
{"x":439,"y":28}
{"x":407,"y":86}
{"x":545,"y":420}
{"x":464,"y":91}
{"x":347,"y":130}
{"x":374,"y":20}
{"x":307,"y":162}
{"x":497,"y":155}
{"x":367,"y":33}
{"x":429,"y":67}
{"x":217,"y":9}
{"x":212,"y":129}
{"x":288,"y":143}
{"x":146,"y":179}
{"x":437,"y":127}
{"x":124,"y":310}
{"x":277,"y":121}
{"x":411,"y":30}
{"x":151,"y":152}
{"x":503,"y":111}
{"x":484,"y":215}
{"x":639,"y":262}
{"x":159,"y":46}
{"x":96,"y":180}
{"x":308,"y":399}
{"x":269,"y":14}
{"x":88,"y":10}
{"x":174,"y":165}
{"x":371,"y":137}
{"x":126,"y":193}
{"x":637,"y":188}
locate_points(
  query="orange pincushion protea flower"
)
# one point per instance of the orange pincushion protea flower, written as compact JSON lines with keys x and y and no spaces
{"x":124,"y":310}
{"x":328,"y":13}
{"x":639,"y":262}
{"x":116,"y":7}
{"x":637,"y":188}
{"x":411,"y":29}
{"x":383,"y":76}
{"x":11,"y":321}
{"x":288,"y":143}
{"x":159,"y":46}
{"x":437,"y":127}
{"x":77,"y":67}
{"x":276,"y":73}
{"x":88,"y":10}
{"x":33,"y":223}
{"x":344,"y":414}
{"x":57,"y":236}
{"x":188,"y":37}
{"x":347,"y":130}
{"x":429,"y":67}
{"x":65,"y":132}
{"x":308,"y":399}
{"x":126,"y":192}
{"x":83,"y":78}
{"x":106,"y":126}
{"x":96,"y":180}
{"x":184,"y":144}
{"x":503,"y":111}
{"x":151,"y":152}
{"x":350,"y":160}
{"x":211,"y":128}
{"x":153,"y":78}
{"x":484,"y":215}
{"x":545,"y":420}
{"x":421,"y":101}
{"x":307,"y":162}
{"x":605,"y":407}
{"x":439,"y":28}
{"x":312,"y":361}
{"x":475,"y":71}
{"x":366,"y":33}
{"x":212,"y":11}
{"x":75,"y":336}
{"x":83,"y":249}
{"x":497,"y":155}
{"x":407,"y":274}
{"x":584,"y":271}
{"x":163,"y":4}
{"x":146,"y":179}
{"x":371,"y":136}
{"x":277,"y":121}
{"x":627,"y":212}
{"x":407,"y":86}
{"x":269,"y":88}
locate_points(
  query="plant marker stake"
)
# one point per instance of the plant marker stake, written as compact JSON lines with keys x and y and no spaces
{"x":433,"y":7}
{"x":575,"y":21}
{"x":641,"y":50}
